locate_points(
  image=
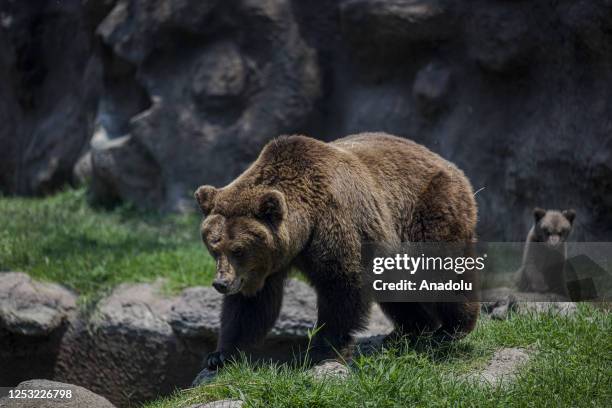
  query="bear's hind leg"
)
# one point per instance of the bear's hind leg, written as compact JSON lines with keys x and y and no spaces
{"x":342,"y":310}
{"x":447,"y":213}
{"x":411,"y":319}
{"x":459,"y":319}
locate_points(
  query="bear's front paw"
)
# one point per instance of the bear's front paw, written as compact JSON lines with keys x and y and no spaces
{"x":215,"y":360}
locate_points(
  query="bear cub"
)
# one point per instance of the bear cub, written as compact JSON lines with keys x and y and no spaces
{"x":545,"y":253}
{"x":311,"y":205}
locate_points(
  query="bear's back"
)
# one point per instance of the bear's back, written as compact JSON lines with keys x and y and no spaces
{"x":408,"y":177}
{"x":393,"y":154}
{"x":397,"y":164}
{"x":379,"y":179}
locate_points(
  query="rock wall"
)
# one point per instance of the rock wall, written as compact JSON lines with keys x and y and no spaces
{"x":49,"y":86}
{"x":193,"y":91}
{"x":518,"y":94}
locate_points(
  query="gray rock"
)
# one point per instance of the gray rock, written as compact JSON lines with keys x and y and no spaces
{"x":502,"y":309}
{"x":196,"y":313}
{"x":330,"y":369}
{"x":226,"y":403}
{"x":555,"y":308}
{"x":79,"y":396}
{"x":33,"y":319}
{"x":33,"y":308}
{"x":136,"y":355}
{"x":140,"y":307}
{"x":498,"y":303}
{"x":204,"y":377}
{"x":122,"y":169}
{"x":503,"y":367}
{"x":137,"y":344}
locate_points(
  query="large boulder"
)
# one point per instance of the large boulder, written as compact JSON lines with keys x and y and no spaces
{"x":126,"y":350}
{"x":56,"y":394}
{"x":32,"y":308}
{"x":33,"y":319}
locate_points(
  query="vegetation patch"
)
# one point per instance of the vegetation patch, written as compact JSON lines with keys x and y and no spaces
{"x":63,"y":239}
{"x":573,"y":367}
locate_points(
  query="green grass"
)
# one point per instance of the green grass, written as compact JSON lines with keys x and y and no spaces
{"x":63,"y":239}
{"x":572,"y":367}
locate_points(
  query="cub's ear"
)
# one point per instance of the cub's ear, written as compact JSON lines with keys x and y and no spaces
{"x":570,"y":215}
{"x":272,"y":207}
{"x":538,"y":214}
{"x":205,"y":196}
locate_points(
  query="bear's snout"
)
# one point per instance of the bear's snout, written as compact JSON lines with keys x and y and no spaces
{"x":221,"y":285}
{"x":227,"y":286}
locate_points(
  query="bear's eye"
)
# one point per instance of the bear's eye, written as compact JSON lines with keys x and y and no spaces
{"x":237,"y":252}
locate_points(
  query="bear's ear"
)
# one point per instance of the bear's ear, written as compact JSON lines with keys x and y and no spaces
{"x":570,"y":215}
{"x":271,"y":207}
{"x":538,"y":214}
{"x":205,"y":196}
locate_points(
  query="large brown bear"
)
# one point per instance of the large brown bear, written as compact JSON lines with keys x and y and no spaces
{"x":310,"y":205}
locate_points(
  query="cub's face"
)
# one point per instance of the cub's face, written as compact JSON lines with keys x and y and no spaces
{"x":553,"y":227}
{"x":245,"y":247}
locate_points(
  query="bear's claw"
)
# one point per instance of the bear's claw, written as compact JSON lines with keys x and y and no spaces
{"x":215,"y":360}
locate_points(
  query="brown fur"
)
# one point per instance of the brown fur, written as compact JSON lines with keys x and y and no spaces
{"x":545,"y":252}
{"x":308,"y":204}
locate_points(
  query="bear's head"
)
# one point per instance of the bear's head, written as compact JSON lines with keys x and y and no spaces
{"x":552,"y":227}
{"x":244,"y":231}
